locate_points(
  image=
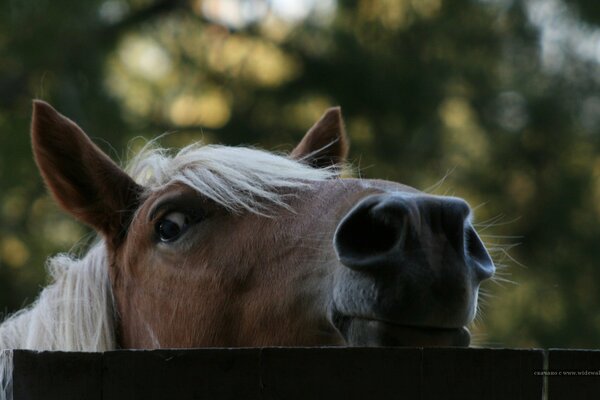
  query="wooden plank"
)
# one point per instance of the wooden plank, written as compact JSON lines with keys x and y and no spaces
{"x":573,"y":374}
{"x":300,"y":373}
{"x":340,"y":373}
{"x":57,"y":376}
{"x":181,"y":374}
{"x":494,"y":374}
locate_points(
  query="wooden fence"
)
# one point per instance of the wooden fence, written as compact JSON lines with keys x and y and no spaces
{"x":309,"y":373}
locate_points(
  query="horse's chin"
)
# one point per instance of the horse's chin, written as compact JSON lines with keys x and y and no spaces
{"x":369,"y":332}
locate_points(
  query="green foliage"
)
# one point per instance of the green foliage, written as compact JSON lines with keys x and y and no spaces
{"x":429,"y":89}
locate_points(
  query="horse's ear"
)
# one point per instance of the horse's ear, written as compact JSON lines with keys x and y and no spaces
{"x":326,"y":143}
{"x":82,"y":179}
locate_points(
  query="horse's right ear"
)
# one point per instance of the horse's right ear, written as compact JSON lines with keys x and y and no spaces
{"x":326,"y":143}
{"x":82,"y":179}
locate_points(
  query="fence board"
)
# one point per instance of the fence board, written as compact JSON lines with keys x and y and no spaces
{"x":341,"y":373}
{"x":573,"y":374}
{"x":207,"y":374}
{"x":494,"y":374}
{"x":57,"y":375}
{"x":281,"y":373}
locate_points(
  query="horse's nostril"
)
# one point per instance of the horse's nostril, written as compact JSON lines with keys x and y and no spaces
{"x":424,"y":231}
{"x":368,"y":232}
{"x":475,"y":250}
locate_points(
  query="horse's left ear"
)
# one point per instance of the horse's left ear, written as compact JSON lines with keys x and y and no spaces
{"x":83,"y":179}
{"x":326,"y":143}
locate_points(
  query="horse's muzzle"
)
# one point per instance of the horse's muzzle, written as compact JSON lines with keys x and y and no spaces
{"x":414,"y":264}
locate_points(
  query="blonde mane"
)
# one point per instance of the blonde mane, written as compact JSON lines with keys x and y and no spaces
{"x":238,"y":178}
{"x":75,"y":312}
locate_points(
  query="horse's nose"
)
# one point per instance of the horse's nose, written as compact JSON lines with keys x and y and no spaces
{"x":392,"y":230}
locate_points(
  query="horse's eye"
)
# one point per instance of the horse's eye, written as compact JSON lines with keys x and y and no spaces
{"x":171,"y":226}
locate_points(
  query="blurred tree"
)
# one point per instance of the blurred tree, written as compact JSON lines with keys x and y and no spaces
{"x":488,"y":94}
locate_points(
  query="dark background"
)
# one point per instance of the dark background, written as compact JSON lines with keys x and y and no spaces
{"x":496,"y":101}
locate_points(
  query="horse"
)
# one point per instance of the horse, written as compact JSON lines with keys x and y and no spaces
{"x":217,"y":246}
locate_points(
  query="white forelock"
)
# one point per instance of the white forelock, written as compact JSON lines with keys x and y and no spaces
{"x":238,"y":178}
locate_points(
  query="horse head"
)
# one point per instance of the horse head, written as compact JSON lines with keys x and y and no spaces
{"x":223,"y":246}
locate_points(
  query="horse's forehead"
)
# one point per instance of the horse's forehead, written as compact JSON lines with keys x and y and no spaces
{"x":386,"y":186}
{"x":326,"y":188}
{"x":362,"y":187}
{"x":326,"y":200}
